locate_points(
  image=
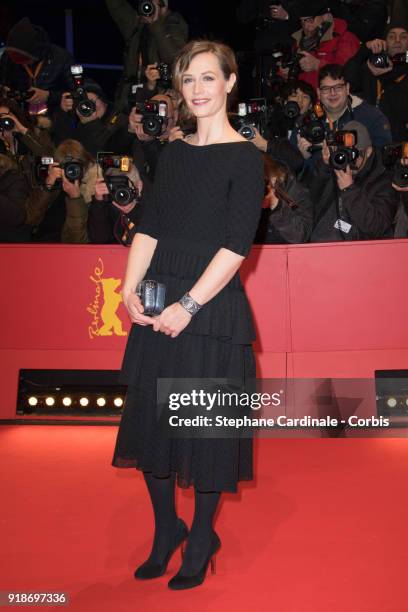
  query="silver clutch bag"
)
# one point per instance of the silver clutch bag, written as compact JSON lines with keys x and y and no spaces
{"x":152,"y":295}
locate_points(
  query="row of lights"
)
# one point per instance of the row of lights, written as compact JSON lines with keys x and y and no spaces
{"x":68,"y":401}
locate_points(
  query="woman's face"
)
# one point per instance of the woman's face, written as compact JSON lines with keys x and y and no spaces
{"x":204,"y":86}
{"x":302,"y":99}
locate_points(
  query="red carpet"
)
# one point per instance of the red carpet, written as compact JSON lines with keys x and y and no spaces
{"x":323,"y":527}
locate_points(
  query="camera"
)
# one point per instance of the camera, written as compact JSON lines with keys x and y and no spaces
{"x":253,"y":114}
{"x":121,"y":189}
{"x":73,"y":170}
{"x":19,"y":95}
{"x":146,"y":8}
{"x":292,"y":61}
{"x":380,"y":60}
{"x":291,"y":109}
{"x":83,"y":104}
{"x":6,"y":124}
{"x":392,"y":155}
{"x":154,"y":117}
{"x":312,"y":126}
{"x":165,"y":74}
{"x":343,"y":151}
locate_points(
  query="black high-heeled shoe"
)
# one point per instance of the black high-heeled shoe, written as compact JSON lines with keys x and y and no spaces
{"x":149,"y":570}
{"x":179,"y":581}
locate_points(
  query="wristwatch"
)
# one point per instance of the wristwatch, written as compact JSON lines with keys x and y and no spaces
{"x":189,"y":304}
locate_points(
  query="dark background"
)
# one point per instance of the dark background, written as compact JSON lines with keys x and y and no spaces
{"x":97,"y":40}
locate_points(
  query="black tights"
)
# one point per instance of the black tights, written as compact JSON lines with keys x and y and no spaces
{"x":162,"y":495}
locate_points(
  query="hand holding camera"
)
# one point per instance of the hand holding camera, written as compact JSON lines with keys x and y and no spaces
{"x":56,"y":178}
{"x":278,"y":12}
{"x":38,"y":95}
{"x":136,"y":126}
{"x":152,"y":76}
{"x":9,"y":123}
{"x":67,"y":102}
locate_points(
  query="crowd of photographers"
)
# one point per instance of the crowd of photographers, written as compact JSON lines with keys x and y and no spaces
{"x":332,"y":123}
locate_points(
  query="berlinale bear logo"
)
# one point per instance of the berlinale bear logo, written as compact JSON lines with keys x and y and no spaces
{"x":105,"y":321}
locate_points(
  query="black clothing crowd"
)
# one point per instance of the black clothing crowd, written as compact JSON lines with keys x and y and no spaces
{"x":333,"y":127}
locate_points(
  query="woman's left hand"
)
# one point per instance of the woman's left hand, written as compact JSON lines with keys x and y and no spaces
{"x":172,"y":320}
{"x":71,"y":189}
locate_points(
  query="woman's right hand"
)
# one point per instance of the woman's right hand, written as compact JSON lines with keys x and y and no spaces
{"x":54,"y":173}
{"x":135,"y":309}
{"x":176,"y":133}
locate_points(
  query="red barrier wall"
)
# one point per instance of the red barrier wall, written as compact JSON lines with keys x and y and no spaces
{"x":321,"y":310}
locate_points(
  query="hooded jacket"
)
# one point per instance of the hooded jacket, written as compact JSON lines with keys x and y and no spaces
{"x":32,"y":41}
{"x":369,"y":205}
{"x":337,"y":46}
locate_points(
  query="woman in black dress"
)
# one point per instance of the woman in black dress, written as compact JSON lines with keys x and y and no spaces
{"x":197,"y":229}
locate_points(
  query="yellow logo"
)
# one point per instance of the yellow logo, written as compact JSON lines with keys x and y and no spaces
{"x":105,"y":321}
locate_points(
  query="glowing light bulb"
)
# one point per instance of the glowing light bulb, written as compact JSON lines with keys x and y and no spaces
{"x":50,"y":401}
{"x":84,"y":401}
{"x":101,"y":401}
{"x":118,"y":401}
{"x":391,"y":402}
{"x":67,"y":401}
{"x":33,"y":401}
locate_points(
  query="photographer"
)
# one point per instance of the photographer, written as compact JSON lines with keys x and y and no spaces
{"x":280,"y":137}
{"x":340,"y":108}
{"x":401,"y":219}
{"x":32,"y":64}
{"x":152,"y":131}
{"x":354,"y":203}
{"x":110,"y":222}
{"x":287,"y":214}
{"x":379,"y":74}
{"x":101,"y":130}
{"x":14,"y":192}
{"x":19,"y":137}
{"x":274,"y":21}
{"x":322,"y":40}
{"x":365,"y":18}
{"x":149,"y":39}
{"x":59,"y":211}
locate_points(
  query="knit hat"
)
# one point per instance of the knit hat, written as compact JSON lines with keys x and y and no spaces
{"x":393,"y":25}
{"x":313,"y":8}
{"x":92,"y":86}
{"x":27,"y":39}
{"x":363,"y":135}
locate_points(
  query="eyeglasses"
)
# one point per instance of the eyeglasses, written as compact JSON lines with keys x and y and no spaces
{"x":334,"y":88}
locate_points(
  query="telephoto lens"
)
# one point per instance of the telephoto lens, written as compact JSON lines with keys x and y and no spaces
{"x":6,"y":124}
{"x":146,"y":8}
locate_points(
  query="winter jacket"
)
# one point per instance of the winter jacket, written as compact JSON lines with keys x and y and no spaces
{"x":389,"y":91}
{"x":337,"y":46}
{"x":165,"y":38}
{"x":14,"y":192}
{"x":368,"y":205}
{"x":54,"y":76}
{"x":284,"y":224}
{"x":277,"y":31}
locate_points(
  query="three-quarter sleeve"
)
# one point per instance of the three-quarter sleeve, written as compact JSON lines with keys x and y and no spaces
{"x":245,"y":199}
{"x":150,"y":221}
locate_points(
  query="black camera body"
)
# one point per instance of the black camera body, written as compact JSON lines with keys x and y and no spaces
{"x":84,"y":106}
{"x":312,"y":126}
{"x":73,"y":170}
{"x":165,"y":74}
{"x":154,"y":117}
{"x":291,"y":109}
{"x":121,"y":190}
{"x":292,"y":62}
{"x":343,"y":151}
{"x":253,"y":114}
{"x":120,"y":187}
{"x":381,"y":60}
{"x":392,"y":155}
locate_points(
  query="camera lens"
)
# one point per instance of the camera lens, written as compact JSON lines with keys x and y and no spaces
{"x":146,"y":8}
{"x":6,"y":124}
{"x":73,"y":171}
{"x":247,"y":131}
{"x":122,"y":196}
{"x":152,"y":126}
{"x":291,"y":109}
{"x":86,"y":108}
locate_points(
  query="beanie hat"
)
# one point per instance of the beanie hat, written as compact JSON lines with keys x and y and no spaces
{"x":313,"y":8}
{"x":28,"y":39}
{"x":92,"y":86}
{"x":393,"y":25}
{"x":363,"y":135}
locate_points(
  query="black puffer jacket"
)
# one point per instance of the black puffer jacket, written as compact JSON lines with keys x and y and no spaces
{"x":14,"y":192}
{"x":366,"y":18}
{"x":285,"y":224}
{"x":369,"y":205}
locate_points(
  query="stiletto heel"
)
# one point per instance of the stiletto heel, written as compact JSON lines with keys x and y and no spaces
{"x":150,"y":570}
{"x":179,"y":581}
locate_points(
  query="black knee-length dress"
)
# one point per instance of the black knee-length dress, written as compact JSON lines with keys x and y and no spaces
{"x":204,"y":198}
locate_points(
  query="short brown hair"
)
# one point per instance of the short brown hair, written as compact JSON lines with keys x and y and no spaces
{"x":225,"y":55}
